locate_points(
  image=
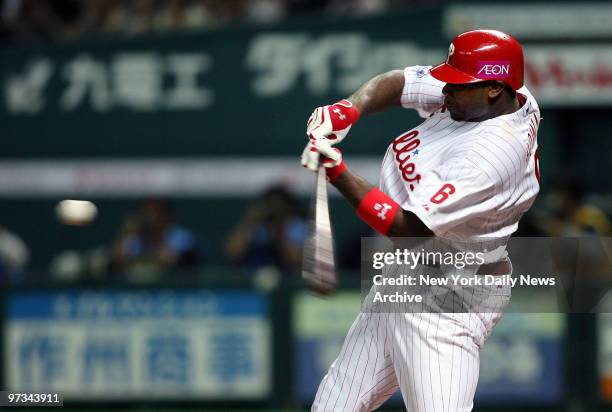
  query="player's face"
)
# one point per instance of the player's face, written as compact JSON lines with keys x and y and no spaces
{"x":467,"y":102}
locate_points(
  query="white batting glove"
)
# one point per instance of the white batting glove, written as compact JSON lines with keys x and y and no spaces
{"x":332,"y":122}
{"x":327,"y":126}
{"x":317,"y":147}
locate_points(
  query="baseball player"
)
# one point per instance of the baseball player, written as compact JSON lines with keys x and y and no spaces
{"x":466,"y":174}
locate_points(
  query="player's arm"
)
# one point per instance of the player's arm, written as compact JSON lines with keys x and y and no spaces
{"x":334,"y":121}
{"x":376,"y":208}
{"x":379,"y":93}
{"x":364,"y":197}
{"x":411,"y":88}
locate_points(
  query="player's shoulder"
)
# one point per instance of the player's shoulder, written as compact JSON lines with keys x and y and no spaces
{"x":497,"y":147}
{"x":500,"y":160}
{"x":421,"y":91}
{"x":531,"y":105}
{"x":511,"y":128}
{"x":496,"y":150}
{"x":420,"y":74}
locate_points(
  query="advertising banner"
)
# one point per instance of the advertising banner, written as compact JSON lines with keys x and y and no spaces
{"x":569,"y":75}
{"x":124,"y":345}
{"x":521,"y":362}
{"x":538,"y":21}
{"x":182,"y":95}
{"x":320,"y":327}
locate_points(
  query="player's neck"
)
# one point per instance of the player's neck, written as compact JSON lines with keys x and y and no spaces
{"x":502,"y":106}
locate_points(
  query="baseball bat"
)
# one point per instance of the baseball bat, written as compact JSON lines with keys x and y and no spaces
{"x":319,"y":266}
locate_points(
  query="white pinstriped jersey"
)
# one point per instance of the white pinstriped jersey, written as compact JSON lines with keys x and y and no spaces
{"x":466,"y":181}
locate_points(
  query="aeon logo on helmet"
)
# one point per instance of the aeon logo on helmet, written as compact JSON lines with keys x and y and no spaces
{"x":493,"y":69}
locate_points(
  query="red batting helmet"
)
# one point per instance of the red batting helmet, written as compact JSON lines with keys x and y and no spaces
{"x":480,"y":55}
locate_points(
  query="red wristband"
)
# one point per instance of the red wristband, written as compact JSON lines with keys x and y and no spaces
{"x":378,"y":210}
{"x":350,"y":111}
{"x":333,"y":172}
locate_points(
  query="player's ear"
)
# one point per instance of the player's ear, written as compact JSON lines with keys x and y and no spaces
{"x":496,"y":88}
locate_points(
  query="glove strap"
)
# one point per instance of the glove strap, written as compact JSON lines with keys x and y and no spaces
{"x":378,"y":210}
{"x":349,"y":110}
{"x":335,"y":171}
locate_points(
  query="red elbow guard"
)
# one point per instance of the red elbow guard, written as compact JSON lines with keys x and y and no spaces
{"x":378,"y":210}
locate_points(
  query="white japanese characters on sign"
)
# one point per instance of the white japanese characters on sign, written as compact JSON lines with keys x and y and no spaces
{"x":140,"y":81}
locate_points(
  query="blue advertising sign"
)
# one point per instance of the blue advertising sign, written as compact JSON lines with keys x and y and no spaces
{"x":139,"y":344}
{"x":521,"y":362}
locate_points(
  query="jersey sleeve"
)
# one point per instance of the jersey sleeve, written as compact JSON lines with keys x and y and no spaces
{"x":452,"y":195}
{"x":421,"y":91}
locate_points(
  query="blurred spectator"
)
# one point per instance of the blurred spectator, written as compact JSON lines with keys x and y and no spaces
{"x":349,"y":255}
{"x":583,"y":259}
{"x":357,"y":7}
{"x":271,"y":233}
{"x":107,"y":17}
{"x":80,"y":265}
{"x":573,"y":215}
{"x":301,"y":6}
{"x":265,"y":11}
{"x":48,"y":19}
{"x":14,"y":256}
{"x":68,"y":19}
{"x":136,"y":17}
{"x":183,"y":15}
{"x":140,"y":17}
{"x":123,"y":17}
{"x":150,"y":243}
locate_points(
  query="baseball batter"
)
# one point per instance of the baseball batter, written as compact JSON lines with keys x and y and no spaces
{"x":466,"y":174}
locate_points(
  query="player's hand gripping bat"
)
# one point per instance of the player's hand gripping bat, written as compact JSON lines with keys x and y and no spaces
{"x":319,"y":268}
